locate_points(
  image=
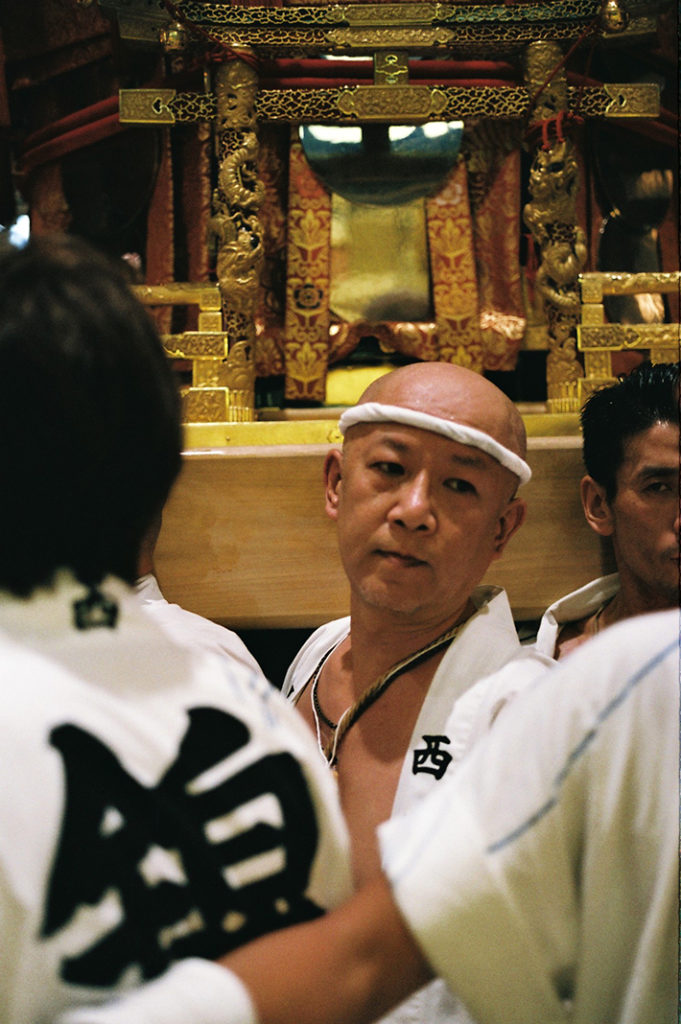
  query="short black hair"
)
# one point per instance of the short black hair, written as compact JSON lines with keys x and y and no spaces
{"x":613,"y":414}
{"x":90,"y":432}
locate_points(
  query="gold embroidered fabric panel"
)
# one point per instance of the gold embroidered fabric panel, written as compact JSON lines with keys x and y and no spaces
{"x":493,"y":160}
{"x":273,"y":173}
{"x":452,"y":263}
{"x":307,"y":282}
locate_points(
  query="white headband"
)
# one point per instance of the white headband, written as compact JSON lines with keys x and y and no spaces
{"x":376,"y":412}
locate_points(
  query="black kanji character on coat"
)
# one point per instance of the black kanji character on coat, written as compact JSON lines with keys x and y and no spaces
{"x":208,"y":858}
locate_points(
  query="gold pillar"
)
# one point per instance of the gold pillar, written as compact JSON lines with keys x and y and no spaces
{"x":551,"y":216}
{"x":237,"y":230}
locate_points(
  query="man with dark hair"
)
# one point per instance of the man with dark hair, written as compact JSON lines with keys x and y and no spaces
{"x":631,"y":494}
{"x":157,"y":802}
{"x":91,"y":437}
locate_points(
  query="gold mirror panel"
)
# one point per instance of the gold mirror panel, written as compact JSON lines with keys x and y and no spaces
{"x":379,"y":262}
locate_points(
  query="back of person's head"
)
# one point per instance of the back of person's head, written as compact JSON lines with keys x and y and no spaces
{"x":89,"y":418}
{"x":614,"y":414}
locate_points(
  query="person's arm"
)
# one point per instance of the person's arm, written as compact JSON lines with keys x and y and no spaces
{"x":349,"y":967}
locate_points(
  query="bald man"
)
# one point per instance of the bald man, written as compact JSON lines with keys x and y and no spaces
{"x":424,"y":497}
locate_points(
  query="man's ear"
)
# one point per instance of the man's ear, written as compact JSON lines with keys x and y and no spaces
{"x":332,"y":480}
{"x":597,"y":510}
{"x":511,"y":520}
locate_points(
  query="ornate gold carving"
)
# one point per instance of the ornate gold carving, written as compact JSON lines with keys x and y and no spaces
{"x":218,"y":14}
{"x":454,"y":36}
{"x":194,"y":106}
{"x":394,"y":14}
{"x":333,"y":104}
{"x":597,"y":340}
{"x":566,"y":10}
{"x":595,"y":285}
{"x":391,"y":68}
{"x":239,"y":406}
{"x":660,"y":354}
{"x":152,"y":106}
{"x":239,"y":369}
{"x":633,"y":100}
{"x":551,"y":216}
{"x":591,"y":286}
{"x":235,"y":87}
{"x":208,"y":373}
{"x":298,"y":105}
{"x":598,"y":364}
{"x":145,"y":106}
{"x":211,"y":322}
{"x":588,"y":385}
{"x":612,"y":16}
{"x":267,"y":40}
{"x":613,"y":100}
{"x":404,"y":37}
{"x":214,"y":15}
{"x":222,"y":360}
{"x":541,"y":59}
{"x":235,"y":224}
{"x":392,"y":102}
{"x":204,"y":405}
{"x":593,"y":314}
{"x":618,"y":336}
{"x":177,"y":293}
{"x":565,"y":396}
{"x":299,"y":29}
{"x":195,"y":345}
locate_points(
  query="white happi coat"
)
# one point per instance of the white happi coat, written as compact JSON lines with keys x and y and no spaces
{"x":573,"y":607}
{"x":541,"y":881}
{"x":157,"y":804}
{"x":185,"y":627}
{"x":459,"y":707}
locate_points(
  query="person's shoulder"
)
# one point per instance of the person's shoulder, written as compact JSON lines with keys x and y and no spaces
{"x":630,"y":648}
{"x":190,"y":629}
{"x":312,"y":651}
{"x":484,"y":701}
{"x":584,"y":600}
{"x":20,"y":661}
{"x":526,"y":664}
{"x":631,"y":669}
{"x":37,"y":690}
{"x":572,"y":608}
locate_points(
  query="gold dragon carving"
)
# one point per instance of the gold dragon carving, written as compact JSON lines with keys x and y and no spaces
{"x":236,"y":229}
{"x":551,"y":216}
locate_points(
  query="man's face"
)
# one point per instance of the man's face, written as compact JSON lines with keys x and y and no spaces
{"x":645,"y":515}
{"x":419,"y":518}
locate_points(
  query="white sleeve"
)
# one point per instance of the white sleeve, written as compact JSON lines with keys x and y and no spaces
{"x":191,"y":990}
{"x":506,"y":875}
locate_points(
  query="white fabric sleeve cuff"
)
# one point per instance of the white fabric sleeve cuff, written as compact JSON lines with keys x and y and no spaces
{"x":191,"y":990}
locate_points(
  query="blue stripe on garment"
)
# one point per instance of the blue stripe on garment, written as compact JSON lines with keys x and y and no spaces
{"x":582,"y":746}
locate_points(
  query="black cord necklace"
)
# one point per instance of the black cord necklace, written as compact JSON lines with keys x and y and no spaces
{"x":370,"y":695}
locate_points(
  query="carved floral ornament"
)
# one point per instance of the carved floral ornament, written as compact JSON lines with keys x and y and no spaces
{"x":378,"y":28}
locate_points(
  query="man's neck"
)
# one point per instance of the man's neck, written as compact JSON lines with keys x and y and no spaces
{"x":633,"y":599}
{"x":629,"y":600}
{"x":379,"y":639}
